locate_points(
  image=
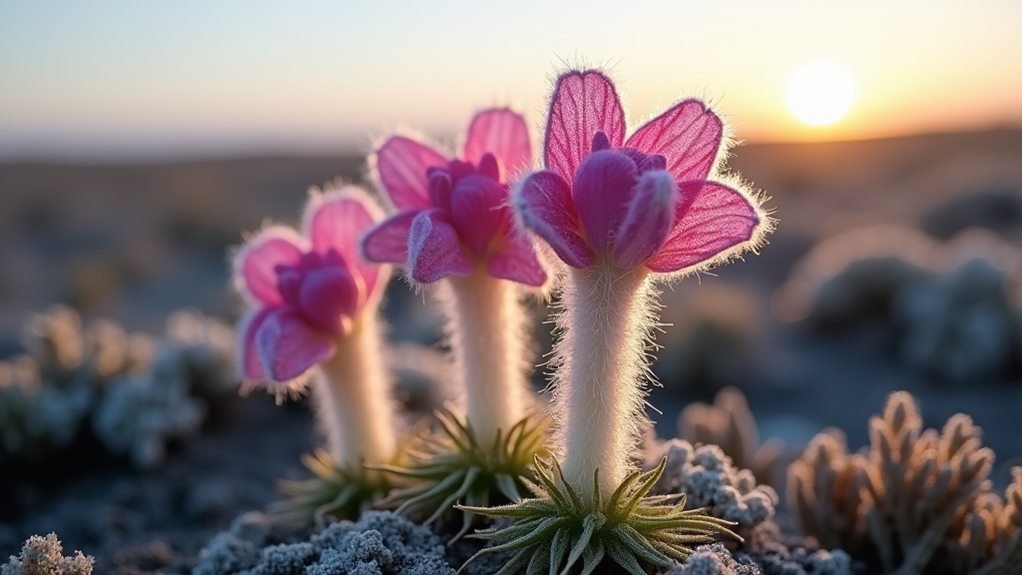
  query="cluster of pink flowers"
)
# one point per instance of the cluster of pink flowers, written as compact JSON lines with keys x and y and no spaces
{"x":613,"y":208}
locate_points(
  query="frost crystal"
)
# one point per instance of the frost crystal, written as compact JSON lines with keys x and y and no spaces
{"x":379,"y":543}
{"x":710,"y":481}
{"x":45,"y":556}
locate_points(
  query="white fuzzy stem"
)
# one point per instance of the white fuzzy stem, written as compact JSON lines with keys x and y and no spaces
{"x":601,"y":357}
{"x":486,"y":324}
{"x":353,"y":397}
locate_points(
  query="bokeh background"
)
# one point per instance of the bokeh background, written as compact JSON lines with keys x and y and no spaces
{"x":140,"y":141}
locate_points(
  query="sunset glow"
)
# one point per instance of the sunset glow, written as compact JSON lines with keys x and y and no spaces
{"x":190,"y":78}
{"x":821,"y":93}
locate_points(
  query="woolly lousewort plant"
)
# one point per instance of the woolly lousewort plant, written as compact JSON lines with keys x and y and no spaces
{"x":622,"y":213}
{"x":313,"y":316}
{"x":452,"y":226}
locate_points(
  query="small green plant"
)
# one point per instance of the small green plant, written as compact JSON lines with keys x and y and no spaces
{"x":559,"y":528}
{"x":455,"y":466}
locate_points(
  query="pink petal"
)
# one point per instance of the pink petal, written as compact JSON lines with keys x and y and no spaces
{"x":329,"y":298}
{"x":288,"y":346}
{"x":478,"y":212}
{"x":543,"y":202}
{"x":440,"y":188}
{"x":503,"y":133}
{"x":688,"y":135}
{"x":583,"y":103}
{"x":336,"y":221}
{"x":649,"y":219}
{"x":434,"y":249}
{"x":711,"y":218}
{"x":601,"y":191}
{"x":388,"y":241}
{"x":249,"y":364}
{"x":516,"y":261}
{"x":255,"y":265}
{"x":401,"y":165}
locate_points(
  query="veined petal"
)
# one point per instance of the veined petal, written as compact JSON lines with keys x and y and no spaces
{"x":434,"y":249}
{"x":543,"y":204}
{"x":649,"y":219}
{"x":516,"y":260}
{"x":688,"y":135}
{"x":583,"y":103}
{"x":255,"y":264}
{"x":249,"y":364}
{"x":336,"y":220}
{"x":503,"y":133}
{"x":388,"y":241}
{"x":401,"y":165}
{"x":711,"y":218}
{"x":288,"y":346}
{"x":329,"y":297}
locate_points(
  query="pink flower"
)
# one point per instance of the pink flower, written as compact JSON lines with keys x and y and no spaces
{"x":304,"y":290}
{"x":451,"y":214}
{"x":640,"y":201}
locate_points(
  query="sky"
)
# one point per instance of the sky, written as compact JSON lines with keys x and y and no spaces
{"x":191,"y":78}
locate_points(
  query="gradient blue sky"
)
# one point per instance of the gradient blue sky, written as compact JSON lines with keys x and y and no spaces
{"x":126,"y":79}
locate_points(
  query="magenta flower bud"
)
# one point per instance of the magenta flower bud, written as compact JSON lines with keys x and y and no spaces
{"x":305,"y":289}
{"x":601,"y":190}
{"x":465,"y":200}
{"x":584,"y":222}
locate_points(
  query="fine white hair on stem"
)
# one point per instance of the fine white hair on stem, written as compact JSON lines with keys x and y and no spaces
{"x":486,"y":330}
{"x":606,"y":321}
{"x":353,"y":397}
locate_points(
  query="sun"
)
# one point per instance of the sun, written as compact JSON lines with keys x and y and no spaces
{"x":821,"y":93}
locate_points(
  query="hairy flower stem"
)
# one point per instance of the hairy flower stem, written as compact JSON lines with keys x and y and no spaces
{"x":485,"y":324}
{"x":601,"y":358}
{"x":353,"y":398}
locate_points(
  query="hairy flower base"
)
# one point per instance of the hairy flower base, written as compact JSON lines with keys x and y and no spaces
{"x":557,"y":528}
{"x":335,"y":492}
{"x":451,"y":467}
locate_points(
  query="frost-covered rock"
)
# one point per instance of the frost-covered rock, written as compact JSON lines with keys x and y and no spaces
{"x":380,"y":543}
{"x":139,"y":415}
{"x":962,"y":326}
{"x":766,"y":556}
{"x":199,"y":350}
{"x":997,"y":208}
{"x":777,"y":555}
{"x":35,"y":416}
{"x":856,"y":275}
{"x":715,"y":560}
{"x":710,"y":480}
{"x":133,"y":392}
{"x":951,"y":311}
{"x":45,"y":556}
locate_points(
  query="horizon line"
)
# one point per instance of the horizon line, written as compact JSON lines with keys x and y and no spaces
{"x":319,"y":151}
